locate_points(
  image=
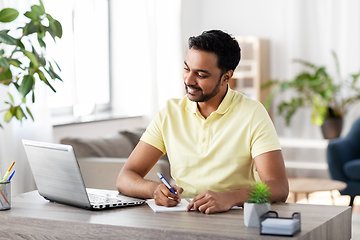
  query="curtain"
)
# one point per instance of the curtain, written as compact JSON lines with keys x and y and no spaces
{"x":145,"y":55}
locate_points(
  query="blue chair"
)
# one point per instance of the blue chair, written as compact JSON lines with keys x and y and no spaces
{"x":343,"y":157}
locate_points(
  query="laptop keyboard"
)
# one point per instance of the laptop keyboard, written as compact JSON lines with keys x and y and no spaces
{"x":101,"y":202}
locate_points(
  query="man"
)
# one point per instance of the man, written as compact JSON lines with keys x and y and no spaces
{"x":214,"y":137}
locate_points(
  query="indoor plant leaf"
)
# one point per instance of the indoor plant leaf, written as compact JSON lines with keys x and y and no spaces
{"x":26,"y":85}
{"x":8,"y":15}
{"x":7,"y":39}
{"x":8,"y":116}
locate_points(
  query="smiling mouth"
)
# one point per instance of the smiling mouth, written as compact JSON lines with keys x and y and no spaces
{"x":191,"y":90}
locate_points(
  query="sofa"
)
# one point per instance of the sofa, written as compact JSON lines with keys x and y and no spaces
{"x":101,"y":159}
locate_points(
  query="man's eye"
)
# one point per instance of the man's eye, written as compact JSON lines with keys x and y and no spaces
{"x":186,"y":69}
{"x":201,"y":76}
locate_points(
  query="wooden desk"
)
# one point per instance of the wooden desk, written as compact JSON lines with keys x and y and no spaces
{"x":31,"y":216}
{"x":309,"y":185}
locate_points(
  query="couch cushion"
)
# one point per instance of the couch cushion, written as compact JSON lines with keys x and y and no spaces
{"x":134,"y":137}
{"x":352,"y":169}
{"x":112,"y":146}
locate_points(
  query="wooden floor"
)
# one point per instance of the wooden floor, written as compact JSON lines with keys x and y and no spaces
{"x":325,"y":198}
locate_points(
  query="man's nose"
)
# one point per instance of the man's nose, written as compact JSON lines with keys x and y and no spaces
{"x":189,"y":78}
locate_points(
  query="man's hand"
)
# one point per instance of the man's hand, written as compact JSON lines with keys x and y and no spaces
{"x":211,"y":202}
{"x":163,"y":196}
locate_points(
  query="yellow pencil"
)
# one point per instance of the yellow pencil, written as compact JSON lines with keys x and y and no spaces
{"x":12,"y":164}
{"x":7,"y":174}
{"x":1,"y":192}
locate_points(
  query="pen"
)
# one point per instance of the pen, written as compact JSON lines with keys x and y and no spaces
{"x":7,"y":174}
{"x":10,"y":177}
{"x":167,"y":184}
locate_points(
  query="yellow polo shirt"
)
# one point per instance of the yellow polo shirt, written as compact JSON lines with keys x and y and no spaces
{"x":214,"y":153}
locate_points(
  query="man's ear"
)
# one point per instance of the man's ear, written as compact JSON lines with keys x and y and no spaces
{"x":227,"y":76}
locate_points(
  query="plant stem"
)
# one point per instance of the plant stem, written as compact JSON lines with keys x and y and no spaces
{"x":6,"y":81}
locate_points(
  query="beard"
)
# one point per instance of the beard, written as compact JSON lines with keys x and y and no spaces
{"x":203,"y":97}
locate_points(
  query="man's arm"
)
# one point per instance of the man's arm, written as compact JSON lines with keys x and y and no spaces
{"x":131,"y":180}
{"x":271,"y":169}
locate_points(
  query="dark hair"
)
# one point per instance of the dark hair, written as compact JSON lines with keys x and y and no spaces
{"x":225,"y":47}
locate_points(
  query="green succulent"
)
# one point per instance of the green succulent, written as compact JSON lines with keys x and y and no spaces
{"x":259,"y":194}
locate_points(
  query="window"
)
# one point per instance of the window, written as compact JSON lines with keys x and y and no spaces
{"x":83,"y":56}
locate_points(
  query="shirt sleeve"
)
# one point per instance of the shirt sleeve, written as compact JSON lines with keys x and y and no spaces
{"x":263,"y":134}
{"x":154,"y":134}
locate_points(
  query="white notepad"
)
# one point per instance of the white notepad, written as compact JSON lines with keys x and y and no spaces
{"x":181,"y":207}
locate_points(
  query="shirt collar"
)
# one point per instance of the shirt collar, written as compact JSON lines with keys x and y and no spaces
{"x":223,"y":107}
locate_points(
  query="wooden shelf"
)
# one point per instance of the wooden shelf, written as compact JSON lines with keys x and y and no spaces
{"x":253,"y":70}
{"x":304,"y":143}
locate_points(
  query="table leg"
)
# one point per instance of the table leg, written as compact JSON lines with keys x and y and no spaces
{"x":295,"y":197}
{"x":307,"y":198}
{"x":332,"y":197}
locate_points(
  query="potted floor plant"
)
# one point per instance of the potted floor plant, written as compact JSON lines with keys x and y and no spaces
{"x":257,"y":205}
{"x":23,"y":59}
{"x":329,"y":98}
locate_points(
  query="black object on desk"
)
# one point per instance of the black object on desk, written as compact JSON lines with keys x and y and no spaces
{"x":272,"y":224}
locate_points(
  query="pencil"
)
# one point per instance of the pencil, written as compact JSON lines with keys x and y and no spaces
{"x":7,"y":174}
{"x":12,"y":164}
{"x":1,"y":192}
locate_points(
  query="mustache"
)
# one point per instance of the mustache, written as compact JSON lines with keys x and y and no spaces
{"x":192,"y":86}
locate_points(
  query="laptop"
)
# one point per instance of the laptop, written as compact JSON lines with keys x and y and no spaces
{"x":58,"y":178}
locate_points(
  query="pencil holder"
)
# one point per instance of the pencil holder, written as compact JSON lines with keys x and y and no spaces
{"x":5,"y":195}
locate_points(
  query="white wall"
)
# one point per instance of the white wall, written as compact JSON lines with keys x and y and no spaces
{"x":303,"y":29}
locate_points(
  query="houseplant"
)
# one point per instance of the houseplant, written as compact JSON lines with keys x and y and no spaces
{"x":23,"y":57}
{"x":329,"y":98}
{"x":257,"y":205}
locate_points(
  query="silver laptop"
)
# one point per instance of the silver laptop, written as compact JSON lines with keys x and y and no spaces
{"x":58,"y":178}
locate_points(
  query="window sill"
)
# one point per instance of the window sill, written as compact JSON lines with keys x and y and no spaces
{"x":99,"y":117}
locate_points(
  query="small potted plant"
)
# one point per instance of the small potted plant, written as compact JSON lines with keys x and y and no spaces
{"x":257,"y":205}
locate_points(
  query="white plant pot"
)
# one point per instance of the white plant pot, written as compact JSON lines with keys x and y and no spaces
{"x":252,"y":213}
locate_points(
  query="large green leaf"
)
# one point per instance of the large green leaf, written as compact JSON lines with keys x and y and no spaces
{"x":7,"y":39}
{"x":26,"y":85}
{"x":8,"y":15}
{"x":6,"y":75}
{"x":32,"y":58}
